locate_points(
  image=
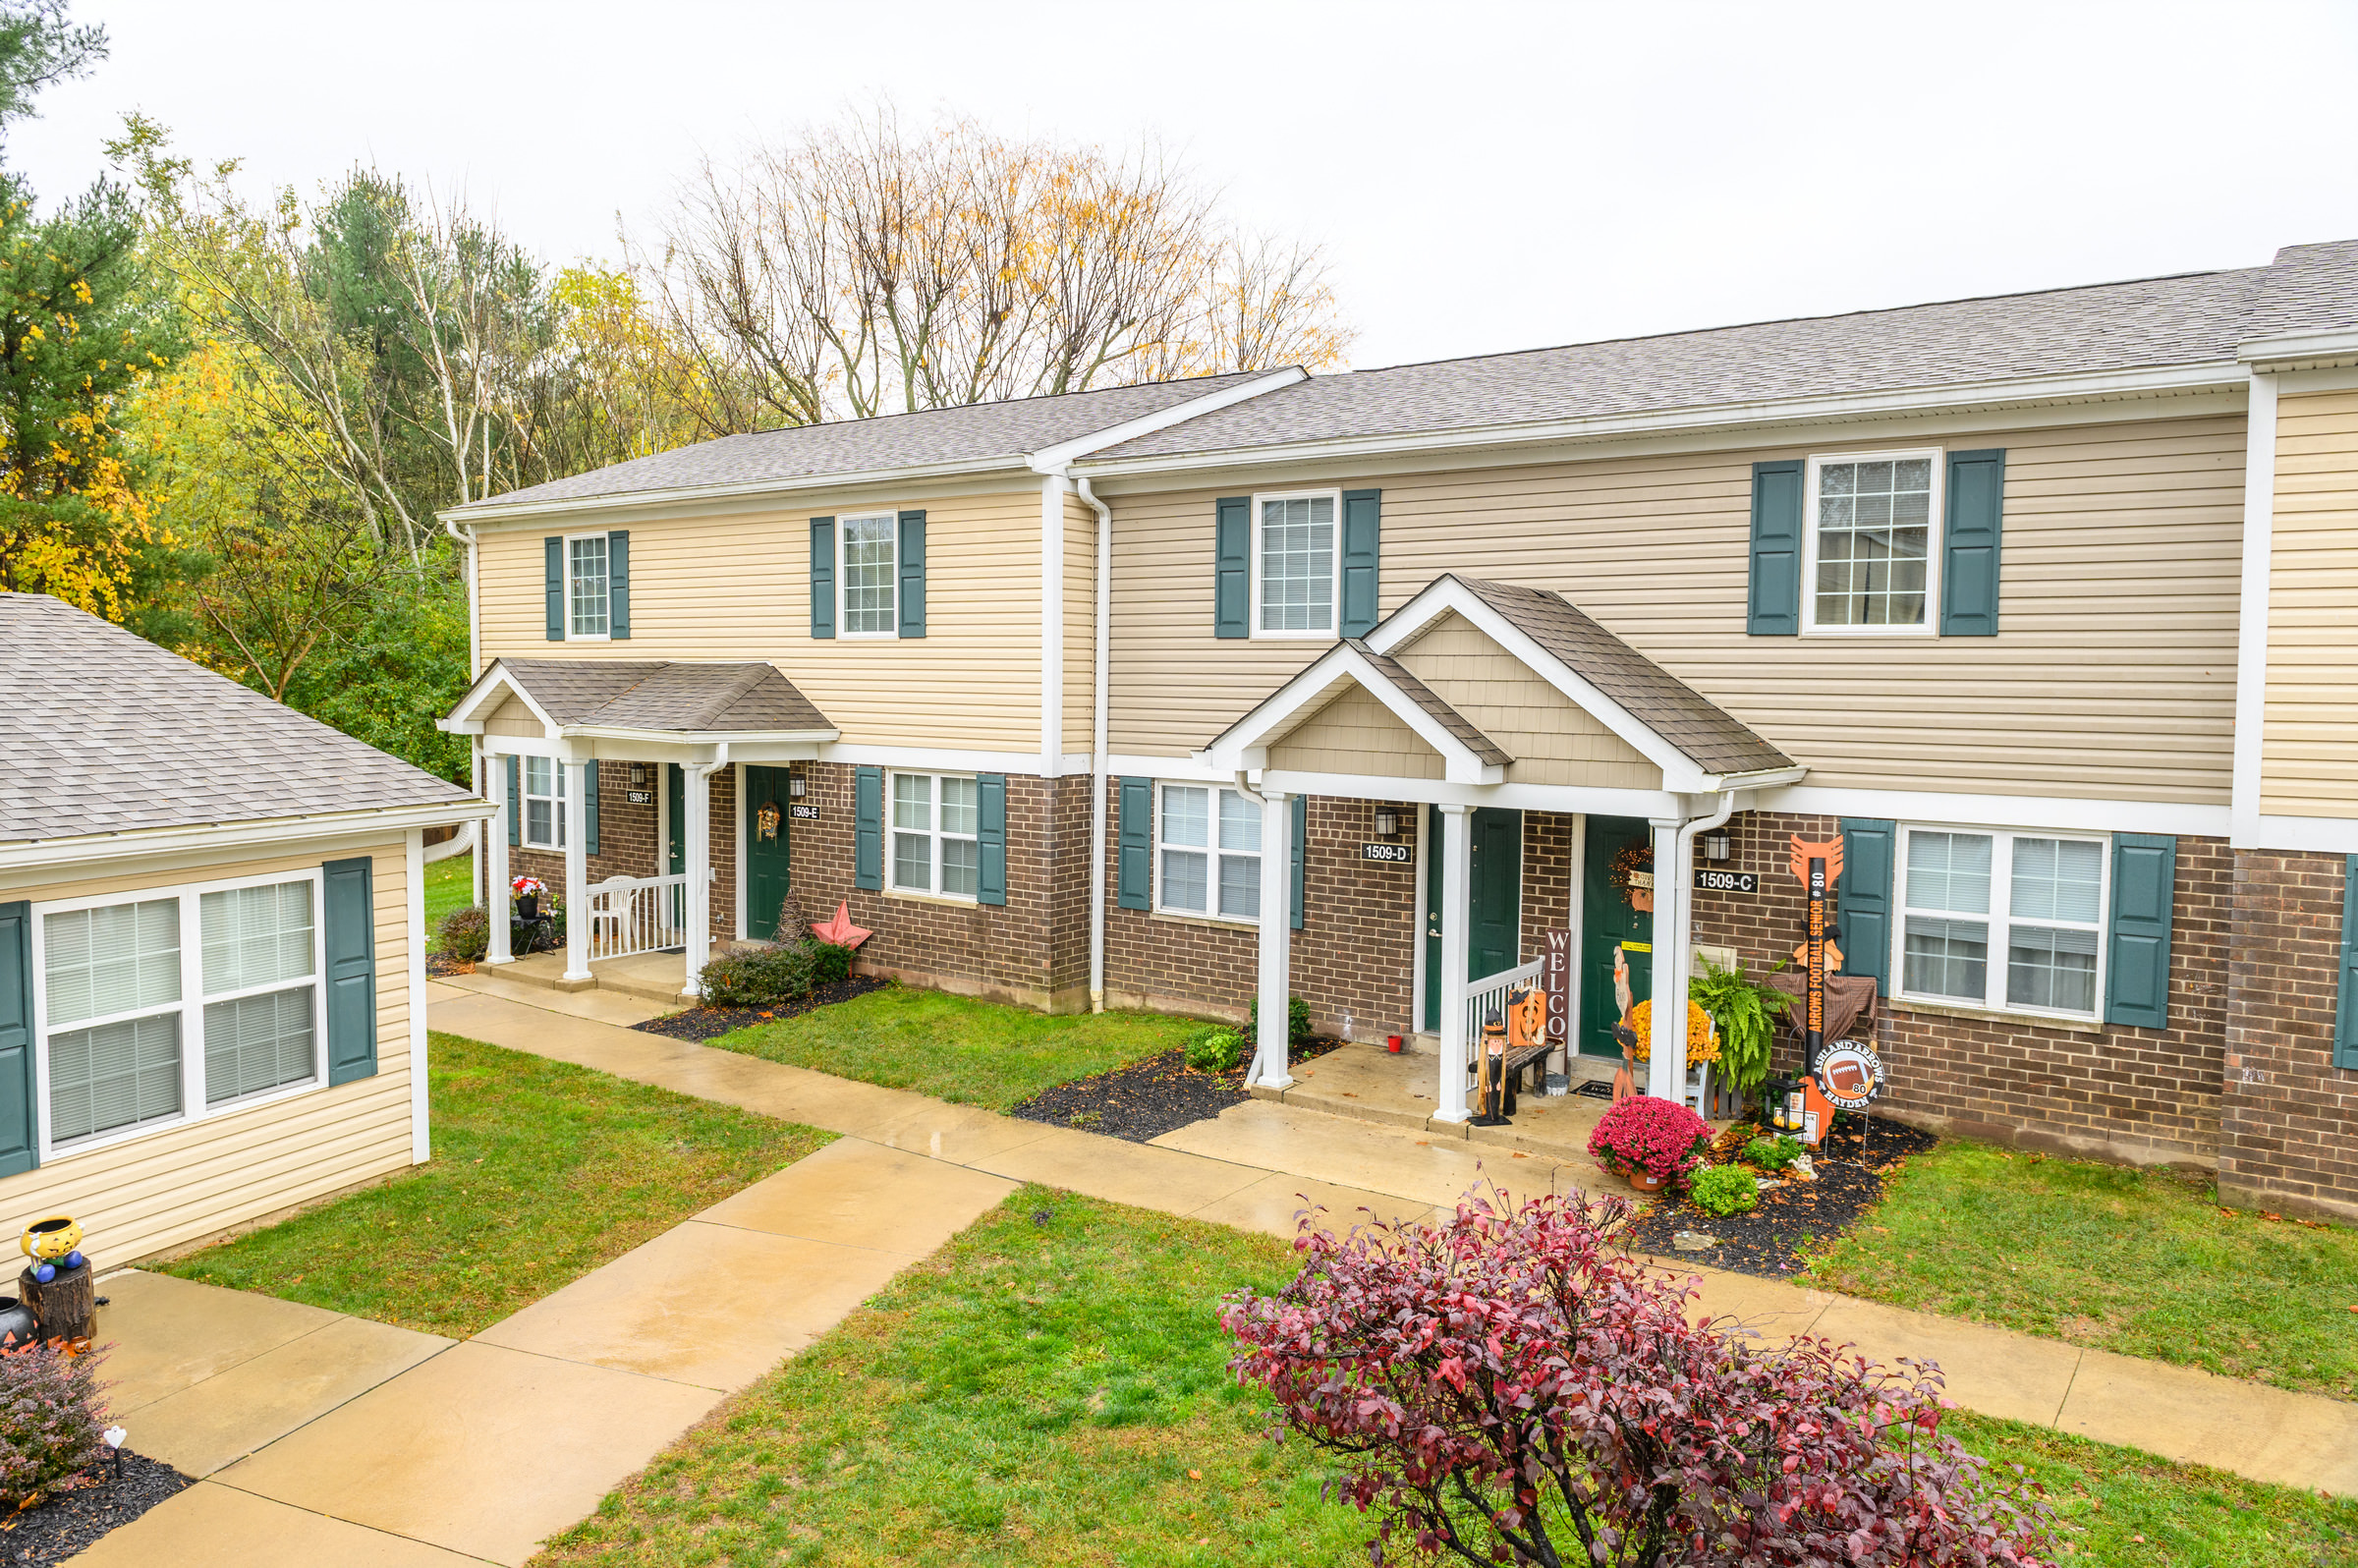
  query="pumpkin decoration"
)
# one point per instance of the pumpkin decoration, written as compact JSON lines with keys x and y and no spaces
{"x":1703,"y":1037}
{"x":1632,"y":876}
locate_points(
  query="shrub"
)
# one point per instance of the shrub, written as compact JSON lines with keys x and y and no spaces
{"x":51,"y":1414}
{"x":759,"y":976}
{"x":1773,"y":1155}
{"x":1297,"y":1021}
{"x":1724,"y":1190}
{"x":1660,"y":1137}
{"x":1505,"y":1385}
{"x":466,"y":935}
{"x":829,"y":963}
{"x":1215,"y":1050}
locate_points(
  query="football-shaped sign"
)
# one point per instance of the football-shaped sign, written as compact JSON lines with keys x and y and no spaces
{"x":1850,"y":1074}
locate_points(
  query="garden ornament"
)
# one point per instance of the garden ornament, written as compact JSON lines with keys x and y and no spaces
{"x":51,"y":1242}
{"x":840,"y":930}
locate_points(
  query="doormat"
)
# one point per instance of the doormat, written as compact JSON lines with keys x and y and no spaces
{"x":1595,"y":1089}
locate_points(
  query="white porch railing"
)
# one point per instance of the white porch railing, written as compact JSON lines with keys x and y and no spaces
{"x":637,"y":914}
{"x":1489,"y":995}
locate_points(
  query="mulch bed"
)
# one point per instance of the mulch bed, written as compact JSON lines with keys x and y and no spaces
{"x":1149,"y":1097}
{"x":70,"y":1519}
{"x":709,"y":1023}
{"x":1769,"y":1239}
{"x":437,"y":964}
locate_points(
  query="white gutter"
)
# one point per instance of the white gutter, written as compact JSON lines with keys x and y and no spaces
{"x":2223,"y":376}
{"x":1097,"y":748}
{"x":93,"y":849}
{"x":474,"y":669}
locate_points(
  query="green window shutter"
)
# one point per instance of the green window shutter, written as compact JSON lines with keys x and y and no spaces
{"x":1868,"y":849}
{"x":555,"y":548}
{"x":1300,"y":818}
{"x":1969,"y":550}
{"x":2345,"y":1006}
{"x":2145,"y":866}
{"x":589,"y":807}
{"x":348,"y":934}
{"x":1232,"y":567}
{"x":1362,"y":574}
{"x":868,"y":830}
{"x":913,"y":574}
{"x":1135,"y":861}
{"x":618,"y":585}
{"x":1775,"y":604}
{"x":515,"y":801}
{"x":990,"y":792}
{"x":20,"y":1134}
{"x":823,"y":577}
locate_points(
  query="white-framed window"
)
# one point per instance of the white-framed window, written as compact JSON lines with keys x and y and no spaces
{"x":1206,"y":852}
{"x":588,"y":602}
{"x":1297,"y":564}
{"x":543,"y":780}
{"x":1874,"y":545}
{"x":935,"y":834}
{"x":172,"y":1005}
{"x":869,"y":579}
{"x":2009,"y":920}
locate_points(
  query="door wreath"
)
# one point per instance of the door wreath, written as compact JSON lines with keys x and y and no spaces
{"x":1632,"y":876}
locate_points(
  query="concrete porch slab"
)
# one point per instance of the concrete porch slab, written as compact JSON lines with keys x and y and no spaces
{"x":1429,"y":1168}
{"x":1369,"y":1083}
{"x":652,"y":976}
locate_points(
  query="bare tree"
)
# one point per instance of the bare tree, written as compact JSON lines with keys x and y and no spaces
{"x":865,"y":269}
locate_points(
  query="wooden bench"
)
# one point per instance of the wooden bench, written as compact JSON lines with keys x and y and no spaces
{"x":1517,"y":1061}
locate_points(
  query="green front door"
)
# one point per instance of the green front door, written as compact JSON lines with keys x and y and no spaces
{"x":675,"y":826}
{"x":1493,"y":890}
{"x":1608,"y":921}
{"x":765,"y":855}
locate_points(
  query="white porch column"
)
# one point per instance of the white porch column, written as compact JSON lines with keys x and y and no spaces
{"x":1666,"y":1069}
{"x":1455,"y":854}
{"x":1275,"y":988}
{"x":577,"y":867}
{"x":696,"y":823}
{"x":495,"y":858}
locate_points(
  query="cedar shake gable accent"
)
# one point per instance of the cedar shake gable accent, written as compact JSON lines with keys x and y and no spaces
{"x":1716,"y":740}
{"x":108,"y":733}
{"x":689,"y":698}
{"x":1417,"y":692}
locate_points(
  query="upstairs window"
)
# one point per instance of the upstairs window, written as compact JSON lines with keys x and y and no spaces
{"x":1208,"y":853}
{"x":589,"y":586}
{"x":936,"y":840}
{"x":1296,"y":564}
{"x":2011,"y":921}
{"x":870,"y":564}
{"x":1871,"y":542}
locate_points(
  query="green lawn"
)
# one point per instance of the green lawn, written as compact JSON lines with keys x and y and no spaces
{"x":1055,"y":1394}
{"x":449,"y":885}
{"x":541,"y":1172}
{"x":2139,"y":1261}
{"x":958,"y":1049}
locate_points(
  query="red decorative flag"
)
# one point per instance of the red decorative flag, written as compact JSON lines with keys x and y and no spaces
{"x":840,"y":930}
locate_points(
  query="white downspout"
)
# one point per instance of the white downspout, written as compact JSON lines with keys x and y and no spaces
{"x":1097,"y":780}
{"x":1670,"y":967}
{"x":475,"y":667}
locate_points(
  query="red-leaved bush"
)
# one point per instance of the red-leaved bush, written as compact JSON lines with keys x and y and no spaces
{"x":51,"y":1414}
{"x":1660,"y":1137}
{"x":1505,"y":1389}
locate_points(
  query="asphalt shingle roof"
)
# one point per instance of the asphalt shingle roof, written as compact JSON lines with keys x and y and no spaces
{"x":107,"y":733}
{"x":2192,"y":319}
{"x":1717,"y":741}
{"x":973,"y":435}
{"x":662,"y":695}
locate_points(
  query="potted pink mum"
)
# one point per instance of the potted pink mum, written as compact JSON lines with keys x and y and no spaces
{"x":1655,"y":1142}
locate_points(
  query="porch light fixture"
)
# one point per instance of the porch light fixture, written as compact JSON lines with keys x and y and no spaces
{"x":637,"y":775}
{"x":1715,"y":846}
{"x":794,"y":786}
{"x":1388,"y":823}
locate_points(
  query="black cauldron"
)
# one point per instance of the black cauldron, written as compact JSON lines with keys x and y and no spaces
{"x":17,"y":1319}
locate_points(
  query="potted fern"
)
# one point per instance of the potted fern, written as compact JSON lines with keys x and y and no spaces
{"x":1746,"y":1013}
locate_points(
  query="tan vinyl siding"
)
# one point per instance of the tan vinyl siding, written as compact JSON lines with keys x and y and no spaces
{"x":513,"y":717}
{"x":2309,"y":742}
{"x":1080,"y":623}
{"x":156,"y":1190}
{"x":1552,"y":739}
{"x":1356,"y":734}
{"x":2113,"y":676}
{"x":738,"y":587}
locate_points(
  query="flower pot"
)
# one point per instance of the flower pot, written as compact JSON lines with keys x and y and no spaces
{"x":528,"y":907}
{"x":1646,"y":1181}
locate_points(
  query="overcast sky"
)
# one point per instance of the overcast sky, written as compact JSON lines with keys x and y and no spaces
{"x":1483,"y":177}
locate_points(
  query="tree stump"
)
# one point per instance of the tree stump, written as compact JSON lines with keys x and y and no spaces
{"x":67,"y":1307}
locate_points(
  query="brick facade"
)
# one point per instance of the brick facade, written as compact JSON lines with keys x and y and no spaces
{"x":2288,"y":1138}
{"x":630,"y":841}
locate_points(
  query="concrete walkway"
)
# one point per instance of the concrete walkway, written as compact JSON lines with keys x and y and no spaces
{"x":323,"y":1438}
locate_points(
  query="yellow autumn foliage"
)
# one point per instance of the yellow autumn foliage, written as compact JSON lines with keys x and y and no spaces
{"x":1703,"y":1040}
